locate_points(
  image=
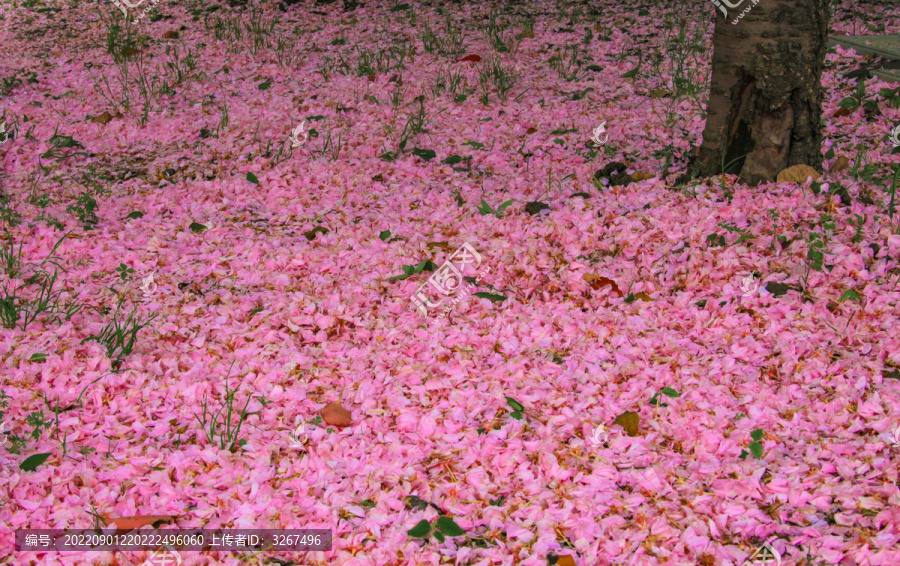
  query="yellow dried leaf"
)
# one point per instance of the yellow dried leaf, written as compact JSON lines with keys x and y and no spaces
{"x":798,"y":174}
{"x":102,"y":118}
{"x":841,"y":164}
{"x":629,"y":420}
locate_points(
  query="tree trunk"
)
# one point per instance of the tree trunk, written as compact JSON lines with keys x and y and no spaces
{"x":765,"y":100}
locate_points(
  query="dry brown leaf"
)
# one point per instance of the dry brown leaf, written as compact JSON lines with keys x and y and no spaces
{"x":798,"y":174}
{"x":432,"y":245}
{"x":629,"y":420}
{"x":565,"y":560}
{"x":527,"y":33}
{"x":530,"y":130}
{"x":642,"y":296}
{"x":659,"y":93}
{"x":470,"y":59}
{"x":335,"y":415}
{"x":598,"y":27}
{"x":597,"y":282}
{"x":136,"y":522}
{"x":170,"y":34}
{"x":638,"y":176}
{"x":102,"y":118}
{"x":841,"y":164}
{"x":841,"y":112}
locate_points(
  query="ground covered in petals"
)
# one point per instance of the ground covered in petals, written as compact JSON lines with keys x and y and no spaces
{"x":222,"y":218}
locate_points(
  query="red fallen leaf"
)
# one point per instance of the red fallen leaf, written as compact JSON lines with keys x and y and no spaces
{"x":335,"y":415}
{"x":136,"y":522}
{"x":530,"y":130}
{"x":470,"y":58}
{"x":597,"y":282}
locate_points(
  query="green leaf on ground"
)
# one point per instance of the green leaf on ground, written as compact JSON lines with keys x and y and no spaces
{"x":449,"y":527}
{"x":32,"y":462}
{"x":421,"y":529}
{"x":426,"y":154}
{"x":849,"y":294}
{"x":494,"y":298}
{"x":515,"y":404}
{"x":756,"y":449}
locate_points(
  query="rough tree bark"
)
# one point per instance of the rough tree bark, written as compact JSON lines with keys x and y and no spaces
{"x":765,"y":102}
